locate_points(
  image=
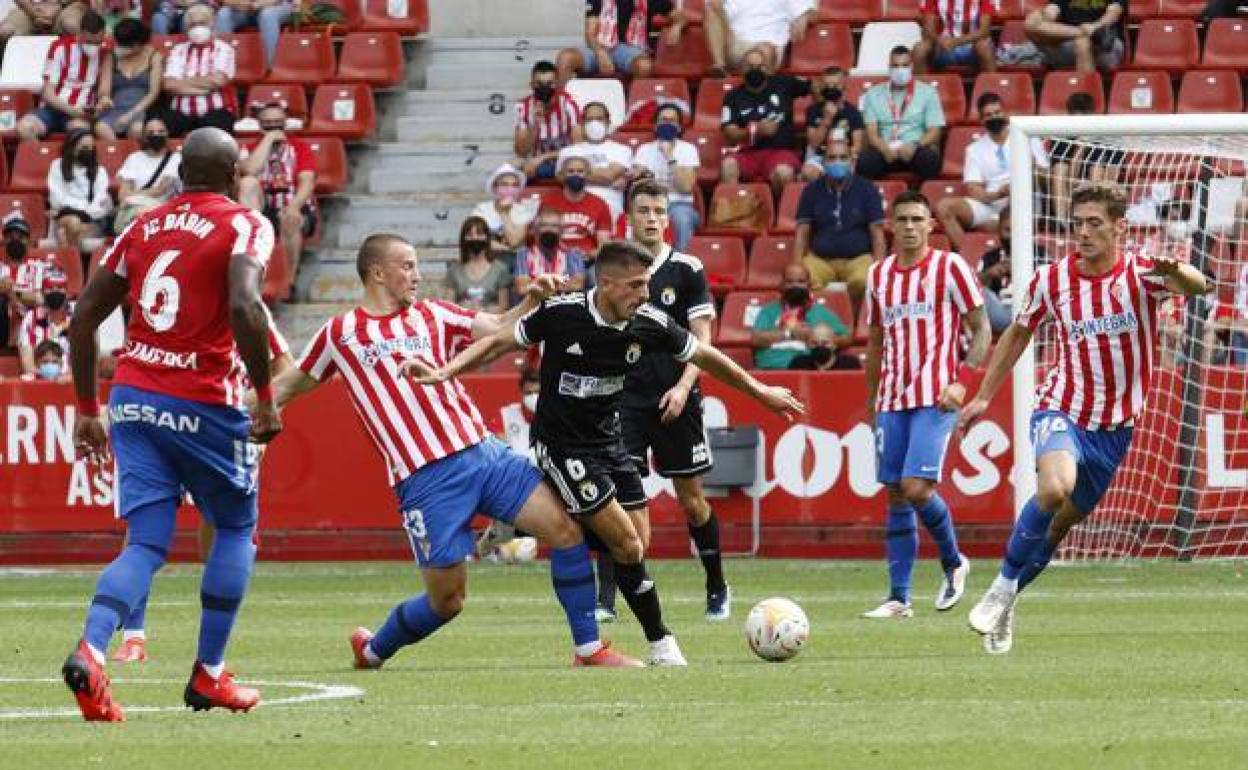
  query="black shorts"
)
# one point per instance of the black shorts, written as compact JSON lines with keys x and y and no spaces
{"x":588,"y":481}
{"x":680,"y":447}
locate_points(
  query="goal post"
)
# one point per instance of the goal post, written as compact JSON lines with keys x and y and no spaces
{"x":1175,"y":496}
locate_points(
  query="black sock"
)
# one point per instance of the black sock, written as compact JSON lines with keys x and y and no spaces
{"x":606,"y":580}
{"x":706,"y":538}
{"x":643,"y":599}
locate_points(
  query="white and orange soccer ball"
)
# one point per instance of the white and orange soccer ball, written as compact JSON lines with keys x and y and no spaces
{"x":776,"y":629}
{"x":520,"y":550}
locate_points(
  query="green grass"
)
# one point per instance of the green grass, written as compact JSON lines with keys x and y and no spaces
{"x":1142,"y":666}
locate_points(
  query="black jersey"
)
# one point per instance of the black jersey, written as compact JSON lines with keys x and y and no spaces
{"x":678,"y":288}
{"x":584,"y":363}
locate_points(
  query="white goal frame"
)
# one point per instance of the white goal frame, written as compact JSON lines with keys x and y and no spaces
{"x":1023,"y":129}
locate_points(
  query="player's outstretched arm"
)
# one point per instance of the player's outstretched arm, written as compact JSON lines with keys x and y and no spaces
{"x":250,"y":323}
{"x":724,"y":369}
{"x":1009,"y":348}
{"x":1181,"y":278}
{"x":476,"y":355}
{"x":103,"y":293}
{"x":291,"y":383}
{"x":487,"y":324}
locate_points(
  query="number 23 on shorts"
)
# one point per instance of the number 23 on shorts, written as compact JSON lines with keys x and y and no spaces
{"x":414,"y":523}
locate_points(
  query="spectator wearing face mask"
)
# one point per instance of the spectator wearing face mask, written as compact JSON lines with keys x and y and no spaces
{"x":758,"y":120}
{"x":49,"y":321}
{"x":617,"y":39}
{"x":20,"y":278}
{"x":798,"y":333}
{"x":478,"y":280}
{"x":199,"y":78}
{"x":830,"y":115}
{"x":78,"y":191}
{"x":674,"y":163}
{"x":549,"y":254}
{"x":546,"y":122}
{"x":51,"y":362}
{"x":904,"y":121}
{"x":508,"y":212}
{"x":149,"y":176}
{"x":609,"y":160}
{"x":77,"y":82}
{"x":586,"y":219}
{"x":518,"y":417}
{"x":279,"y":180}
{"x":137,"y":69}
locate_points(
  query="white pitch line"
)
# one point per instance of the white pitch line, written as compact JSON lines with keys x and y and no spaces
{"x":319,"y":692}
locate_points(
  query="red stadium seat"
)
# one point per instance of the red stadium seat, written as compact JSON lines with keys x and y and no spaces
{"x":723,"y":260}
{"x":410,"y":18}
{"x":10,"y":366}
{"x":694,"y":10}
{"x":1207,"y":91}
{"x":856,"y":12}
{"x":632,"y":139}
{"x":1168,"y":44}
{"x":741,"y":354}
{"x":768,"y":257}
{"x":952,"y":94}
{"x":165,"y":43}
{"x":303,"y":57}
{"x":4,"y":171}
{"x":1058,"y":86}
{"x":1141,"y":93}
{"x":688,"y":58}
{"x":1014,"y":33}
{"x":975,"y":245}
{"x":290,"y":94}
{"x":112,"y":154}
{"x":31,"y":206}
{"x":1016,"y":89}
{"x":938,"y":189}
{"x":14,"y":103}
{"x":857,"y":85}
{"x":761,"y":192}
{"x":900,"y":10}
{"x":277,"y":277}
{"x":710,"y":153}
{"x":708,"y":111}
{"x":1226,"y":44}
{"x":375,"y":58}
{"x":331,"y":164}
{"x":1011,"y":10}
{"x":740,"y":310}
{"x":960,"y":137}
{"x":1181,"y":9}
{"x":659,"y":90}
{"x":248,"y":57}
{"x":889,"y":189}
{"x":823,"y":46}
{"x":837,"y":301}
{"x":31,"y":164}
{"x":786,"y":214}
{"x":343,"y":109}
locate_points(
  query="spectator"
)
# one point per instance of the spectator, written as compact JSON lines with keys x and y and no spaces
{"x":758,"y":118}
{"x":1086,"y":34}
{"x":798,"y":333}
{"x":956,"y":33}
{"x":268,"y":16}
{"x":279,"y":179}
{"x":199,"y":77}
{"x":586,"y":219}
{"x":507,"y":213}
{"x":49,"y":321}
{"x":78,"y":191}
{"x":50,"y":362}
{"x":830,"y":113}
{"x":736,"y":27}
{"x":904,"y":120}
{"x":1070,"y":161}
{"x":478,"y":280}
{"x":42,"y":17}
{"x":137,"y":69}
{"x":518,"y":417}
{"x":840,"y":224}
{"x":985,"y":174}
{"x":609,"y":161}
{"x":550,"y":255}
{"x":673,"y":162}
{"x":149,"y":175}
{"x":76,"y":82}
{"x":1228,"y":324}
{"x":994,"y":276}
{"x":20,"y":278}
{"x":617,"y":39}
{"x":168,"y":16}
{"x":546,"y":122}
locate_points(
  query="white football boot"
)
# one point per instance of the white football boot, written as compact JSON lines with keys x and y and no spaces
{"x":986,"y":616}
{"x":889,"y":609}
{"x":666,"y":652}
{"x":952,"y":586}
{"x":1001,"y":640}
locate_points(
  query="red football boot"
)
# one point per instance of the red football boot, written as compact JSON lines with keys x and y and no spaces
{"x":607,"y":658}
{"x":203,"y":692}
{"x":87,"y":680}
{"x":132,"y":650}
{"x":359,"y":640}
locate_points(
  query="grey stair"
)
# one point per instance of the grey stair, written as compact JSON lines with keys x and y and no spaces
{"x":468,"y":18}
{"x":485,"y":65}
{"x":424,"y":222}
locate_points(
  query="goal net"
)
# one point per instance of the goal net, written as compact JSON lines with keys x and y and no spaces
{"x":1182,"y":491}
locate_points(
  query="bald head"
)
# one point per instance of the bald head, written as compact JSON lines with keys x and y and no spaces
{"x":209,"y":160}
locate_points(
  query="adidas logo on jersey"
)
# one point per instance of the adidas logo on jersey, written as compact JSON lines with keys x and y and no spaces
{"x":575,"y":349}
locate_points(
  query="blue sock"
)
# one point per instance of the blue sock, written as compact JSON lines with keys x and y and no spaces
{"x":129,"y":577}
{"x":409,"y":622}
{"x":138,"y":616}
{"x":573,"y":578}
{"x":901,"y":546}
{"x":226,"y":574}
{"x":939,"y":524}
{"x":1040,"y":559}
{"x":1030,"y":533}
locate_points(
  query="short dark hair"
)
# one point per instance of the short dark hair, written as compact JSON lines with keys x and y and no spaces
{"x":834,"y":69}
{"x":92,"y":22}
{"x":1080,"y":103}
{"x":646,"y":187}
{"x":622,"y":254}
{"x":131,"y":32}
{"x":987,"y":98}
{"x":911,"y":196}
{"x":544,"y":65}
{"x":373,"y":249}
{"x":48,"y":346}
{"x":604,"y":107}
{"x":1108,"y":194}
{"x":898,"y":50}
{"x":680,"y":114}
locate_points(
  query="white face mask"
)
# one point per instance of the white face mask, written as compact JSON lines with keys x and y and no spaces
{"x":900,"y":76}
{"x":199,"y":34}
{"x":595,"y":130}
{"x":530,"y":401}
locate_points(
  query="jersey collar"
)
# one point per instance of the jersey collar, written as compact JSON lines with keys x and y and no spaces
{"x":661,"y":260}
{"x":593,"y":311}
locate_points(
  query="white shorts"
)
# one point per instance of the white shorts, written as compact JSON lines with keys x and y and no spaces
{"x":984,"y":213}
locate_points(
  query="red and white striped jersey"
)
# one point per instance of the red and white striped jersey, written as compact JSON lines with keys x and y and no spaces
{"x":38,"y":325}
{"x":412,"y":425}
{"x":554,"y":131}
{"x":920,"y":309}
{"x":73,"y":70}
{"x":1106,"y":338}
{"x":958,"y":17}
{"x":279,"y":176}
{"x":188,"y":60}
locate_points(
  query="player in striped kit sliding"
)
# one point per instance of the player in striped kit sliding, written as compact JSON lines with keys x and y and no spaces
{"x":918,"y":301}
{"x":1105,"y":303}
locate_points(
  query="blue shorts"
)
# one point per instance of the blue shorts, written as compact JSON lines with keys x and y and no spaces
{"x":911,"y":443}
{"x":53,"y":120}
{"x":165,"y":446}
{"x":962,"y":56}
{"x":439,"y":500}
{"x":622,"y":56}
{"x":1098,"y":453}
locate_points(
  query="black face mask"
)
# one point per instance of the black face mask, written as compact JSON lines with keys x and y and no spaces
{"x":15,"y":248}
{"x":543,"y":92}
{"x":660,"y":7}
{"x":575,"y":183}
{"x":475,"y":245}
{"x":548,"y":240}
{"x":832,"y":94}
{"x":156,"y":142}
{"x":54,"y":300}
{"x":755,"y":77}
{"x":821,"y":355}
{"x":272,"y":127}
{"x":85,"y":157}
{"x":995,"y":125}
{"x":796,"y":296}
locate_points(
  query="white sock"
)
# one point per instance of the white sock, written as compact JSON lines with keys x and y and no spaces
{"x":1005,"y":582}
{"x":214,"y":671}
{"x":371,"y":656}
{"x":589,"y":648}
{"x":132,"y":633}
{"x":99,"y":656}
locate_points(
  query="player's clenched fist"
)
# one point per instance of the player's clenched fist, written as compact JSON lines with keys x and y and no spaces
{"x":265,"y":422}
{"x":90,"y":439}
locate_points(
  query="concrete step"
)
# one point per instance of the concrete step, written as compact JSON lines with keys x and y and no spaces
{"x":487,"y":65}
{"x":299,"y":321}
{"x":435,"y":167}
{"x":476,"y":125}
{"x":433,"y":259}
{"x":423,"y":221}
{"x":338,"y":282}
{"x":468,"y":18}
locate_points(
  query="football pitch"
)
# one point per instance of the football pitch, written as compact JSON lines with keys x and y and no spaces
{"x":1114,"y":666}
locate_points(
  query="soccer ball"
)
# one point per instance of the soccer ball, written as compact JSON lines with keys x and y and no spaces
{"x":518,"y":550}
{"x":776,"y":629}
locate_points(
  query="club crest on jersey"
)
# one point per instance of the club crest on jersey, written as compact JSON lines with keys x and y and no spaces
{"x":589,"y":490}
{"x":633,"y":353}
{"x":668,"y":296}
